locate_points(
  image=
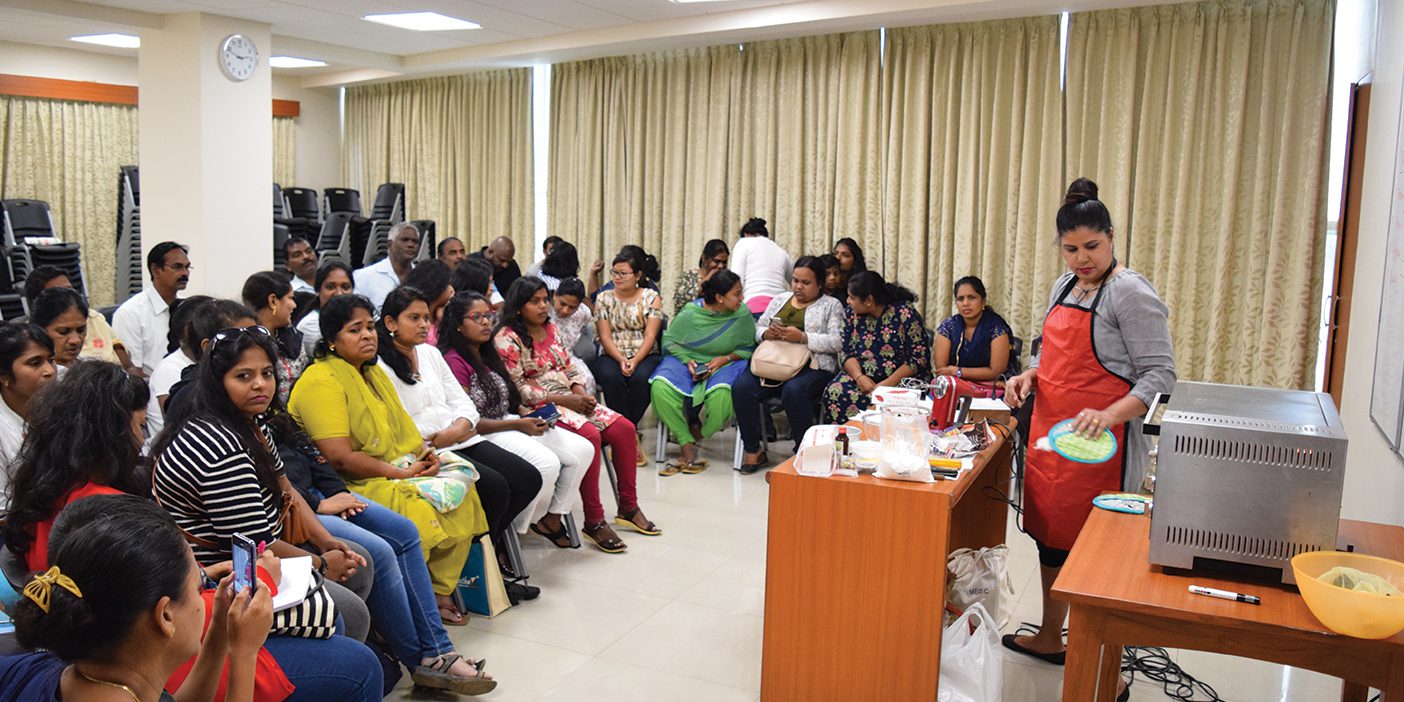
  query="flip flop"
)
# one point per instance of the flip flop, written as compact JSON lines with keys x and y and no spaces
{"x":671,"y":468}
{"x":1010,"y":642}
{"x":445,"y":610}
{"x":694,"y":467}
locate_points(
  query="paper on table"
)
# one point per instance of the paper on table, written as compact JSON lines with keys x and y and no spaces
{"x":296,"y":582}
{"x":988,"y":404}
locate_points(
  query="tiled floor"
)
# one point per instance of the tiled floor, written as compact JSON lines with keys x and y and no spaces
{"x":678,"y":617}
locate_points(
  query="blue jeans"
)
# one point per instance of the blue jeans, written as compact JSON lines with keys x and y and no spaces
{"x":338,"y":668}
{"x":401,"y":601}
{"x":799,"y":395}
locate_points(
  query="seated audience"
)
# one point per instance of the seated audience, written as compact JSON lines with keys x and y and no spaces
{"x":546,"y":245}
{"x":706,"y":348}
{"x":143,"y":320}
{"x":805,"y":315}
{"x":714,"y":258}
{"x":433,"y":280}
{"x":270,"y":296}
{"x":628,"y":321}
{"x":333,"y":278}
{"x":763,"y":266}
{"x":563,"y":262}
{"x":447,"y":418}
{"x":350,"y":409}
{"x":101,"y":343}
{"x":26,"y":365}
{"x":84,"y":439}
{"x":884,"y":341}
{"x":572,"y":318}
{"x":835,"y":281}
{"x":475,"y":275}
{"x":120,"y":609}
{"x":973,"y":343}
{"x":500,"y":254}
{"x":645,"y":263}
{"x":168,"y":371}
{"x":205,"y":320}
{"x":376,"y":281}
{"x":216,"y":471}
{"x":302,"y":264}
{"x":451,"y":252}
{"x":63,"y":314}
{"x":562,"y":457}
{"x":540,"y":368}
{"x":850,"y":257}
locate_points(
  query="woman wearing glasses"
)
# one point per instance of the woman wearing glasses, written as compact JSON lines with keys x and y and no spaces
{"x":465,"y":337}
{"x":628,"y":320}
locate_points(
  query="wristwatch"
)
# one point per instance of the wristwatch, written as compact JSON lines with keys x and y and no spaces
{"x":322,"y":569}
{"x":958,"y":372}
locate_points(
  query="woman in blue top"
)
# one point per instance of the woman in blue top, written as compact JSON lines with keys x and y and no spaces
{"x":973,"y":343}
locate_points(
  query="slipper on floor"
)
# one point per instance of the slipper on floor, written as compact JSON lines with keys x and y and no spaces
{"x":1012,"y":644}
{"x":694,"y":467}
{"x":671,"y":468}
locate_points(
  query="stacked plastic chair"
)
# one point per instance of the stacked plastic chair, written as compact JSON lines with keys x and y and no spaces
{"x":387,"y":211}
{"x":130,"y":266}
{"x":428,"y":238}
{"x":302,"y":202}
{"x":30,"y":241}
{"x":342,"y":200}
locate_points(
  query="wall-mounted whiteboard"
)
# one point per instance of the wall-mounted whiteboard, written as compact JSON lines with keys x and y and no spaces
{"x":1387,"y":392}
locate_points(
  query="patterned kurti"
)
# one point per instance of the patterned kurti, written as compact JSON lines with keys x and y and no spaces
{"x":687,"y":290}
{"x":628,"y":320}
{"x":546,"y":370}
{"x":881,"y":345}
{"x":569,"y":330}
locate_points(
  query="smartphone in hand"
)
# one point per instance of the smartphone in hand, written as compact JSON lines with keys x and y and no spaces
{"x":245,"y":561}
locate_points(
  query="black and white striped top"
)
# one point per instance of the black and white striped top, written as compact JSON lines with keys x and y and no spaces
{"x":206,"y":480}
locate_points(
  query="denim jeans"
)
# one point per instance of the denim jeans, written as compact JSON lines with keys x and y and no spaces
{"x":401,"y":602}
{"x":799,"y":395}
{"x":338,"y":668}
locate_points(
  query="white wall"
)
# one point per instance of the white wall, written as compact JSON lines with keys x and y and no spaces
{"x":67,"y":64}
{"x":1374,"y":488}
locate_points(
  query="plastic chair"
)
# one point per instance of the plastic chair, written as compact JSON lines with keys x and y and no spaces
{"x":342,"y":200}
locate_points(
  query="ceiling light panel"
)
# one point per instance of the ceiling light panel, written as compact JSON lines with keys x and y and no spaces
{"x":294,"y":62}
{"x":422,"y":21}
{"x":120,"y":41}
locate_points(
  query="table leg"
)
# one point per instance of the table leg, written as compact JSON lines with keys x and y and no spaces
{"x":1109,"y":673}
{"x":1353,"y":691}
{"x":1394,"y":684}
{"x":1080,"y":673}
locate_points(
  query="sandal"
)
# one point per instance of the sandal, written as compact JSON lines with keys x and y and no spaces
{"x":694,"y":467}
{"x":450,"y":615}
{"x":558,"y":538}
{"x":671,"y":468}
{"x":627,"y":520}
{"x":1011,"y":642}
{"x":604,"y":538}
{"x":762,"y":461}
{"x":436,"y":675}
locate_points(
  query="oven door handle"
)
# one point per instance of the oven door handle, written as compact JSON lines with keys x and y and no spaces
{"x":1149,"y":427}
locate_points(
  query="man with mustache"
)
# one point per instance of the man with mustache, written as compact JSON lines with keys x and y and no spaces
{"x":143,"y":321}
{"x":376,"y":281}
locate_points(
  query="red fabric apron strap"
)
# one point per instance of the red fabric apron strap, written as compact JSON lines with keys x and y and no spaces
{"x":1071,"y":378}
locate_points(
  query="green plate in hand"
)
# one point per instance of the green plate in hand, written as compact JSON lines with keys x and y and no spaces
{"x":1075,"y":447}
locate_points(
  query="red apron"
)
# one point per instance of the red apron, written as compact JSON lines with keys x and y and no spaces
{"x":1058,"y":492}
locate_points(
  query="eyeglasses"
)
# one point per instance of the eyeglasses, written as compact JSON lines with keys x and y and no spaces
{"x":620,"y":274}
{"x":179,"y":267}
{"x":481,"y":317}
{"x":257,"y":331}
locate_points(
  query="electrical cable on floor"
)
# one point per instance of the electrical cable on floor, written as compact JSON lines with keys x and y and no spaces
{"x":1156,"y":665}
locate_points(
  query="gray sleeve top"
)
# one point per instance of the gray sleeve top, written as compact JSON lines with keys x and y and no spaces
{"x":1131,"y":330}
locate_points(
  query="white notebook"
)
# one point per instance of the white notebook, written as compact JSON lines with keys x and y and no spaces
{"x":296,"y":583}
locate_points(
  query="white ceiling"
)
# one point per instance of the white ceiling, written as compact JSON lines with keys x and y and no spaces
{"x":514,"y":32}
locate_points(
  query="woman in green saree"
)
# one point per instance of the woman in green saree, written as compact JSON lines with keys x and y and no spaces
{"x":707,"y":349}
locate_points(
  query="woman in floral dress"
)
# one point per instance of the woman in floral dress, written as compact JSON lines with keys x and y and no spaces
{"x":884,"y":341}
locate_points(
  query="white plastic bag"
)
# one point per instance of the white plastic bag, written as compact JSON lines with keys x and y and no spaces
{"x":981,"y":577}
{"x":972,"y":667}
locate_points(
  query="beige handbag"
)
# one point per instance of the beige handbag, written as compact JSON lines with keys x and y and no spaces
{"x":776,"y":361}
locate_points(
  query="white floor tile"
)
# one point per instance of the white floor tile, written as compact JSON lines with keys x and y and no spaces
{"x":699,"y":642}
{"x":738,"y":585}
{"x":1246,"y":680}
{"x":524,"y":669}
{"x":573,"y":615}
{"x":606,"y":680}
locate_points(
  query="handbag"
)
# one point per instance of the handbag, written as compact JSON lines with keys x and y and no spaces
{"x":777,"y":361}
{"x":446,"y":490}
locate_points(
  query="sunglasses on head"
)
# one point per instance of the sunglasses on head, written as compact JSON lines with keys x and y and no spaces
{"x":257,"y":331}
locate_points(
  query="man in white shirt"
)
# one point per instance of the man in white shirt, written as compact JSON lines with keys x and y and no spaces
{"x":302,"y":263}
{"x":142,"y":322}
{"x":377,"y":280}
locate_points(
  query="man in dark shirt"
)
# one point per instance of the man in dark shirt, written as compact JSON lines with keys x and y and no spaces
{"x":500,"y":254}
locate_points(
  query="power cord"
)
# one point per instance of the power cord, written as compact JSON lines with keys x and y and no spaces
{"x":1154,"y":664}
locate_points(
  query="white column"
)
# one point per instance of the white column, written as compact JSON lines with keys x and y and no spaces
{"x":206,"y":150}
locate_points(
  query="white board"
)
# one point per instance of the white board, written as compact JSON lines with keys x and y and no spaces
{"x":1387,"y":391}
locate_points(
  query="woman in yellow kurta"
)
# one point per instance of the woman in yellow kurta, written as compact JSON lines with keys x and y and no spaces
{"x":351,"y":411}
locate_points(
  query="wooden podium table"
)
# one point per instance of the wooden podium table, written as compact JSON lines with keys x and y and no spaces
{"x":1119,"y":599}
{"x":856,"y":578}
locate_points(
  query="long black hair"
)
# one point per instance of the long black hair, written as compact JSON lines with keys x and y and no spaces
{"x":80,"y":430}
{"x":208,"y":319}
{"x":473,"y":274}
{"x":562,"y":262}
{"x":53,"y":302}
{"x":860,"y":263}
{"x":15,"y":339}
{"x":518,"y":295}
{"x":870,"y":284}
{"x":430,"y":277}
{"x":484,"y":357}
{"x":183,"y":309}
{"x":208,"y":400}
{"x":335,"y":316}
{"x":124,"y":553}
{"x":395,"y":304}
{"x":1081,"y":208}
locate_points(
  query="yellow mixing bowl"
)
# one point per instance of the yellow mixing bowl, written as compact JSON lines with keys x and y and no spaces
{"x":1363,"y":615}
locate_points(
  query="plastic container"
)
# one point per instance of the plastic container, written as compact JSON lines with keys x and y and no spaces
{"x":1363,"y":615}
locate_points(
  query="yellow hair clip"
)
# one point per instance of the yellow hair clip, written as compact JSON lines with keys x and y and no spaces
{"x":39,"y":589}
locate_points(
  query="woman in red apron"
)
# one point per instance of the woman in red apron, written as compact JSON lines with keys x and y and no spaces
{"x":1092,"y":358}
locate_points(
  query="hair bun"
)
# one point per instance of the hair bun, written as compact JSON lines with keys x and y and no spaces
{"x":756,"y":221}
{"x":1079,"y":191}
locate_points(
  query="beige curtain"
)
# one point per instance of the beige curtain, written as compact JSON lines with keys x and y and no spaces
{"x":285,"y":151}
{"x":1207,"y":128}
{"x":973,"y":164}
{"x":68,"y":154}
{"x":461,"y":144}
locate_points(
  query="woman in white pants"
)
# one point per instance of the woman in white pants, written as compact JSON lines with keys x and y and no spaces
{"x":465,"y":337}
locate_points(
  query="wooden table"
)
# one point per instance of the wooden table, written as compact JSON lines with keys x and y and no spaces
{"x":1119,"y":599}
{"x":856,"y":578}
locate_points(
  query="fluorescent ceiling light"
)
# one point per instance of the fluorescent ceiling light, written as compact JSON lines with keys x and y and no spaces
{"x":681,"y":2}
{"x":422,"y":21}
{"x":294,"y":62}
{"x":121,"y":41}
